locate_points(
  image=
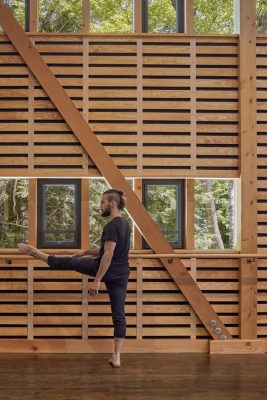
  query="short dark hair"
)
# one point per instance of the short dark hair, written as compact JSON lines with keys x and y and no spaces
{"x":118,"y":196}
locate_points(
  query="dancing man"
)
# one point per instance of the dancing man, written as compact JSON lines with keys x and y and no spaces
{"x":109,"y":263}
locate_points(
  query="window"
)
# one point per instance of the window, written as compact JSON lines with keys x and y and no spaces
{"x":261,"y":16}
{"x":159,"y":15}
{"x":18,"y":9}
{"x":214,"y":16}
{"x":13,"y":212}
{"x":164,"y":200}
{"x":60,"y":16}
{"x":59,"y":213}
{"x":111,"y":16}
{"x":216,"y":216}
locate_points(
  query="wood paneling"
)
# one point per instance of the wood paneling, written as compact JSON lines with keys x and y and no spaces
{"x":55,"y":304}
{"x":159,"y":106}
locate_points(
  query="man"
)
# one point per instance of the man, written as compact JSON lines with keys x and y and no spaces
{"x":109,"y":264}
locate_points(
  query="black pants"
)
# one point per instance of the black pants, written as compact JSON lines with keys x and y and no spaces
{"x":116,"y":289}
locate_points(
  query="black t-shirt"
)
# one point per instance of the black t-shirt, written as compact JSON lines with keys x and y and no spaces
{"x":118,"y":231}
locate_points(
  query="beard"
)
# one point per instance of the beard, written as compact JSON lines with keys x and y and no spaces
{"x":105,"y":213}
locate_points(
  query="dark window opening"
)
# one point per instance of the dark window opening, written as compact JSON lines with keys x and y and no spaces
{"x":59,"y":213}
{"x":164,"y":200}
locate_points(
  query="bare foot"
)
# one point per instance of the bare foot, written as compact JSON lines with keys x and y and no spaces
{"x":26,"y":249}
{"x":114,"y":361}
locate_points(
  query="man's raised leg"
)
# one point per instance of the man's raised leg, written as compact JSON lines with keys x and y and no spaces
{"x":32,"y":251}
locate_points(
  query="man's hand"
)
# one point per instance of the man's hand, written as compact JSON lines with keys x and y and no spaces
{"x":94,"y":287}
{"x":80,"y":253}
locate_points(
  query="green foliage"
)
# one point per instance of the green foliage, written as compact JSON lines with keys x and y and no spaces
{"x":204,"y":230}
{"x":59,"y":211}
{"x":212,"y":16}
{"x":261,"y":16}
{"x":13,"y":212}
{"x":161,"y":205}
{"x":18,"y":9}
{"x":60,"y":15}
{"x":111,"y":16}
{"x":161,"y":16}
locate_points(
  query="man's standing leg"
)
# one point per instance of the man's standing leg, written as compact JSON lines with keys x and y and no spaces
{"x":117,"y":294}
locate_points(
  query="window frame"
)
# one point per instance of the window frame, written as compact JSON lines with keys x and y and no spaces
{"x":41,"y":242}
{"x":180,"y":207}
{"x":180,"y":16}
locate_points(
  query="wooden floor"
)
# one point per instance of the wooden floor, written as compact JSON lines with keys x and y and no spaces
{"x":142,"y":376}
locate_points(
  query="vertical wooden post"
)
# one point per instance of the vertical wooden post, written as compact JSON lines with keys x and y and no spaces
{"x":32,"y":240}
{"x":193,"y":106}
{"x":137,"y":234}
{"x":32,"y":212}
{"x":85,"y":245}
{"x":137,"y":16}
{"x":30,"y":300}
{"x":248,"y":271}
{"x":139,"y":106}
{"x":86,"y":15}
{"x":31,"y":120}
{"x":34,"y":16}
{"x":190,"y":214}
{"x":193,"y":272}
{"x":189,"y":17}
{"x":139,"y":300}
{"x":85,"y":96}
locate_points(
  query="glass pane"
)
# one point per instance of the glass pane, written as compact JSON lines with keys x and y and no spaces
{"x":261,"y":16}
{"x":18,"y":9}
{"x":13,"y":212}
{"x":215,"y":225}
{"x":111,"y":16}
{"x":60,"y":16}
{"x":214,"y":16}
{"x":161,"y":15}
{"x":161,"y":204}
{"x":96,"y":221}
{"x":59,"y":216}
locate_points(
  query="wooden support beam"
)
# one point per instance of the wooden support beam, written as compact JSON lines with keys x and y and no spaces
{"x":190,"y":214}
{"x":189,"y":17}
{"x":137,"y":235}
{"x":109,"y":170}
{"x":137,"y":16}
{"x":237,"y":347}
{"x":248,"y":157}
{"x":103,"y":346}
{"x":248,"y":298}
{"x":32,"y":212}
{"x":34,"y":16}
{"x":85,"y":245}
{"x":139,"y":299}
{"x":86,"y":15}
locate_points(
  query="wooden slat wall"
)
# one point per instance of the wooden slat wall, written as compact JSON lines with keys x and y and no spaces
{"x":262,"y":299}
{"x":155,"y":308}
{"x":262,"y":142}
{"x":188,"y":106}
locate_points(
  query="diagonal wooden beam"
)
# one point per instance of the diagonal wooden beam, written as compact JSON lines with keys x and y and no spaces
{"x":109,"y":170}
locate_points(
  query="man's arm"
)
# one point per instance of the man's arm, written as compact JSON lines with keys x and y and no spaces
{"x":89,"y":252}
{"x":92,"y":252}
{"x":109,"y":248}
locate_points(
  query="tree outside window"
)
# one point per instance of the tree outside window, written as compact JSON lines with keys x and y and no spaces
{"x":215,"y":214}
{"x":13,"y":212}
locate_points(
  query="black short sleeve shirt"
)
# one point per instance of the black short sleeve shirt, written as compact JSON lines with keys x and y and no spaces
{"x":118,"y":231}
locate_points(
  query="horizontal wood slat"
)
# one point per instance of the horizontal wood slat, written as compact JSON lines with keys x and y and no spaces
{"x":113,"y":93}
{"x":58,"y":298}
